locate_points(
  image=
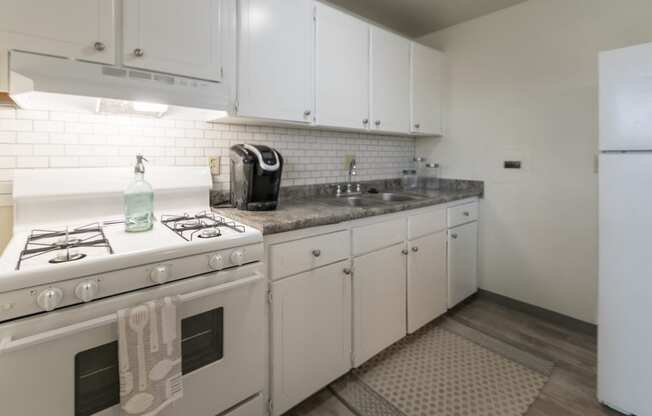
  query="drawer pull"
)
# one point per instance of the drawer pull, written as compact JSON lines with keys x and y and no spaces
{"x":404,"y":252}
{"x":454,"y":236}
{"x":316,"y":252}
{"x":466,"y":213}
{"x":415,"y":249}
{"x":347,"y":271}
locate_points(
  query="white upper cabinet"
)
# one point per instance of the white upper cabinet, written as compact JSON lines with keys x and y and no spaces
{"x":80,"y":29}
{"x":425,"y":90}
{"x":181,"y":37}
{"x":390,"y":82}
{"x":276,"y":56}
{"x":342,"y":69}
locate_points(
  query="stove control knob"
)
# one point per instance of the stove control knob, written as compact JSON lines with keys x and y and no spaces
{"x":49,"y":299}
{"x":237,"y":257}
{"x":159,"y":274}
{"x":216,"y":262}
{"x":86,"y":291}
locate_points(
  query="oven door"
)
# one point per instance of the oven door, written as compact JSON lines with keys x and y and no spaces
{"x":65,"y":363}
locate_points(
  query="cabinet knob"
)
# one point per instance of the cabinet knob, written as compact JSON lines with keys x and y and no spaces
{"x":139,"y":52}
{"x":377,"y":122}
{"x":404,"y":252}
{"x":347,"y":271}
{"x":307,"y":113}
{"x":417,"y":126}
{"x":466,"y":213}
{"x":99,"y":46}
{"x":365,"y":121}
{"x":316,"y":252}
{"x":415,"y":249}
{"x":453,"y":236}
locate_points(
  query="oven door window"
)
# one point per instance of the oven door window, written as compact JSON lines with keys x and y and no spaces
{"x":97,"y":380}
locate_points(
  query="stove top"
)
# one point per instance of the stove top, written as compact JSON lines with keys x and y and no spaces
{"x":203,"y":225}
{"x":64,"y":245}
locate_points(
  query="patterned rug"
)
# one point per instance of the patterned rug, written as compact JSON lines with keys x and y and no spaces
{"x":437,"y":371}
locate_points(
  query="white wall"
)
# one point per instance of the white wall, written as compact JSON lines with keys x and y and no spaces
{"x":523,"y":86}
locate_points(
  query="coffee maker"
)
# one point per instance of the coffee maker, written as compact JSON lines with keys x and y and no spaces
{"x":255,"y":177}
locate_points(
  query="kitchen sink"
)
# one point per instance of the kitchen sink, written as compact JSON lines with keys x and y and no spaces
{"x":354,"y":201}
{"x":396,"y":197}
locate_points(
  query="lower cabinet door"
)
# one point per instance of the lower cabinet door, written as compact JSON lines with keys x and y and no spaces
{"x":379,"y":301}
{"x":462,"y":262}
{"x":311,"y":333}
{"x":427,"y":283}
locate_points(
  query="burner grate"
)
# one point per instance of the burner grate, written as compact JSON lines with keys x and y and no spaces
{"x":40,"y":242}
{"x":203,"y":225}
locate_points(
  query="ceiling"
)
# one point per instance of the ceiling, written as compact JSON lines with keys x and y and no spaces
{"x":419,"y":17}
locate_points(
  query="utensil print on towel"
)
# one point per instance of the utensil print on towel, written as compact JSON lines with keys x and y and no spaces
{"x":153,"y":327}
{"x":139,"y":403}
{"x":169,"y":324}
{"x":161,"y":369}
{"x":173,"y":386}
{"x":126,"y":376}
{"x":138,"y":319}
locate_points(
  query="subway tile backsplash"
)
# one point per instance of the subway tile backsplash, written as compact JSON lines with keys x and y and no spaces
{"x":50,"y":139}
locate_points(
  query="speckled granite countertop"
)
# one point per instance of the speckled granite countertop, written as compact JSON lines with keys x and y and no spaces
{"x":304,"y":207}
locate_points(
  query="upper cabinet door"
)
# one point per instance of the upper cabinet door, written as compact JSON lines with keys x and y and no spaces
{"x":425,"y":90}
{"x":181,"y":37}
{"x":342,"y":69}
{"x":390,"y":82}
{"x":80,"y":29}
{"x":276,"y":54}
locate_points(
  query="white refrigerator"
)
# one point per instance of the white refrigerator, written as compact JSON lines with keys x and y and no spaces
{"x":625,"y":288}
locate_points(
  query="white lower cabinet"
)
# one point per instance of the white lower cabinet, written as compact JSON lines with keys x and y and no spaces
{"x":379,"y":301}
{"x":427,"y":283}
{"x":462,"y":262}
{"x":311,"y":333}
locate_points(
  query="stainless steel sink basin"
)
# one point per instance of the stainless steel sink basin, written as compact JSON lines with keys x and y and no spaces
{"x":396,"y":197}
{"x":354,"y":201}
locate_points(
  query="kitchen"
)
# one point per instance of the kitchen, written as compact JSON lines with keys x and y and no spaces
{"x":493,"y":108}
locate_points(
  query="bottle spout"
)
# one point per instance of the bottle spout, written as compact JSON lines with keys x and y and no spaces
{"x":140,"y":166}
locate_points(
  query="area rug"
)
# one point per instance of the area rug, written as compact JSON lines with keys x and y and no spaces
{"x":445,"y":369}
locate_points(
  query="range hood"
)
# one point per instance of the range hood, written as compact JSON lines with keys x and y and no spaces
{"x":38,"y":82}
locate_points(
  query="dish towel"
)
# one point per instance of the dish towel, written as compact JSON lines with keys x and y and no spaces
{"x":149,"y":355}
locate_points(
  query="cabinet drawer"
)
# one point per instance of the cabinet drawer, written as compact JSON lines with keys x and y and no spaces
{"x":305,"y":254}
{"x":376,"y":236}
{"x":427,"y":223}
{"x":462,"y":214}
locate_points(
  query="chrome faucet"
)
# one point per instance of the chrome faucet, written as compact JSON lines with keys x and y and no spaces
{"x":352,"y":172}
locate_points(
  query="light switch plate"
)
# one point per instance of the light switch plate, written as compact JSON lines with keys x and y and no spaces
{"x":214,"y":164}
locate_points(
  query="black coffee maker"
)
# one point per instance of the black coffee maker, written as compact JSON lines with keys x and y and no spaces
{"x":255,"y":177}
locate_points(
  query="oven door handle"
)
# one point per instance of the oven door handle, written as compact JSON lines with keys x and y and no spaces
{"x":7,"y":344}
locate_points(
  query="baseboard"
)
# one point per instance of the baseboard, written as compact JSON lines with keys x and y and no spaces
{"x":548,"y":315}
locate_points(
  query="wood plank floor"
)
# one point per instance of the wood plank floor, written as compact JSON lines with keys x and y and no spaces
{"x":571,"y":390}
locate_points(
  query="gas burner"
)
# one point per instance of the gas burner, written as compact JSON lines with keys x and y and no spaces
{"x":202,"y":225}
{"x":65,"y":258}
{"x":65,"y":244}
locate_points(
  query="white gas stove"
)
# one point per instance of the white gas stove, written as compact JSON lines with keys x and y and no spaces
{"x":70,"y":266}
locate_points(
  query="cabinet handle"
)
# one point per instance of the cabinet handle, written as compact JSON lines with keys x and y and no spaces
{"x":377,"y":122}
{"x":454,"y":236}
{"x":415,"y":249}
{"x":404,"y":252}
{"x":347,"y":271}
{"x":139,"y":52}
{"x":417,"y":126}
{"x":99,"y":46}
{"x":316,"y":252}
{"x":307,"y":113}
{"x":466,"y":213}
{"x":365,"y":121}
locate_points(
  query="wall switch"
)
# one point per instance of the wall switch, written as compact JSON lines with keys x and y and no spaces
{"x":214,"y":164}
{"x":512,"y":164}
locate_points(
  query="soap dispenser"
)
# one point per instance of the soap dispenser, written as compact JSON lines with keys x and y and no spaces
{"x":139,"y":201}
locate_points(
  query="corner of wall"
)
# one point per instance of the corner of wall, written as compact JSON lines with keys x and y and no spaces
{"x":6,"y":225}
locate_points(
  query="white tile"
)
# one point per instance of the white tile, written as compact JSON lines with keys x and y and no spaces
{"x":8,"y":136}
{"x":32,"y":115}
{"x":7,"y":162}
{"x":49,"y":150}
{"x":64,"y":162}
{"x":16,"y":125}
{"x":32,"y":162}
{"x":49,"y":126}
{"x":32,"y":137}
{"x":7,"y":113}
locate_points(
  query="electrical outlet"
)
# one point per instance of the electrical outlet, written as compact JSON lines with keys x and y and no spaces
{"x":214,"y":164}
{"x":347,"y":160}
